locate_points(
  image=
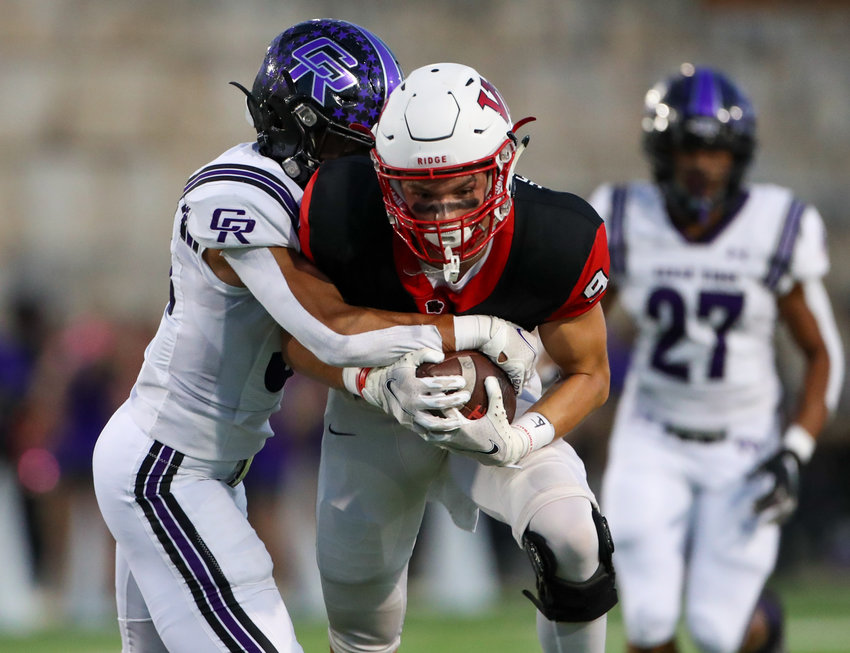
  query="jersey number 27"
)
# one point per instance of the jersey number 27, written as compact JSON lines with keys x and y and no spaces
{"x":719,"y":310}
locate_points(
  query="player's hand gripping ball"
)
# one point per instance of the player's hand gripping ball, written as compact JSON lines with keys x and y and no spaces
{"x":474,"y":367}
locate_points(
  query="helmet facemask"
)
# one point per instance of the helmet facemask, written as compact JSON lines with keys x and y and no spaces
{"x":446,"y":122}
{"x":446,"y":243}
{"x":697,"y":191}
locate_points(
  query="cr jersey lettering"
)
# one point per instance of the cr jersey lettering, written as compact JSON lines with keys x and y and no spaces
{"x":328,"y":63}
{"x":230,"y":221}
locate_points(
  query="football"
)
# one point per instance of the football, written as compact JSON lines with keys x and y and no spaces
{"x":474,"y":367}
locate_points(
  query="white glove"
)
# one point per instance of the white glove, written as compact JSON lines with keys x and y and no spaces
{"x":491,"y":440}
{"x":397,"y":390}
{"x":503,"y":342}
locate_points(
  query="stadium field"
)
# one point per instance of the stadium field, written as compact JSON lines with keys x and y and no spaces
{"x":819,"y":622}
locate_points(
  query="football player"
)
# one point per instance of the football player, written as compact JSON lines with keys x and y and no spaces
{"x":702,"y":466}
{"x":464,"y":235}
{"x":192,"y":575}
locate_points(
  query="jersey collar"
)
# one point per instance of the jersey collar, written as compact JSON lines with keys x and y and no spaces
{"x":443,"y":299}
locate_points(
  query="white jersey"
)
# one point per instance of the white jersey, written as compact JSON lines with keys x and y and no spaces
{"x":213,"y":373}
{"x":705,"y":311}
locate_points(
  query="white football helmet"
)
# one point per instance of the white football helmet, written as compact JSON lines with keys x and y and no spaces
{"x":444,"y":121}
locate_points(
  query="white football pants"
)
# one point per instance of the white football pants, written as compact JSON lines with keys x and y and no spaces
{"x":375,"y":477}
{"x":680,"y":514}
{"x":187,"y":557}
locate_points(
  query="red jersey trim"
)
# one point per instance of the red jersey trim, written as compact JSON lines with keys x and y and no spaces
{"x":591,"y":284}
{"x":304,"y":219}
{"x":441,"y":299}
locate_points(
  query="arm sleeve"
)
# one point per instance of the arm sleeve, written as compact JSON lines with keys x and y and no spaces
{"x":809,"y":264}
{"x":230,"y":215}
{"x":259,"y":271}
{"x":600,"y":199}
{"x":810,"y":259}
{"x":818,"y":302}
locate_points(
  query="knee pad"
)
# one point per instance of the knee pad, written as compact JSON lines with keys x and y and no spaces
{"x":561,"y":600}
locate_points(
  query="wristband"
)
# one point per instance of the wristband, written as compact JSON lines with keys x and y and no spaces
{"x":471,"y":331}
{"x":799,"y":442}
{"x":540,"y":431}
{"x":354,"y":379}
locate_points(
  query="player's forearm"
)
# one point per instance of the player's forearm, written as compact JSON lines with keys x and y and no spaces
{"x":303,"y":361}
{"x":312,"y":310}
{"x":569,"y":402}
{"x":352,"y":320}
{"x":579,"y":348}
{"x":322,"y":300}
{"x":812,"y":411}
{"x":808,"y":312}
{"x":828,"y":363}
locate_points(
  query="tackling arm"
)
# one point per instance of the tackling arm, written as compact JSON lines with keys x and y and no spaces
{"x":310,"y":307}
{"x":321,"y":298}
{"x":300,"y":359}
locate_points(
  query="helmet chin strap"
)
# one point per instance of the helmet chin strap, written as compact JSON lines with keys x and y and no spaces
{"x":451,"y":270}
{"x":520,"y":148}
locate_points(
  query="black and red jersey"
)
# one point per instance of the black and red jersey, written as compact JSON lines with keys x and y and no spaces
{"x":549,"y":263}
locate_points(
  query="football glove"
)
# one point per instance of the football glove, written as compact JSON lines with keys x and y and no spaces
{"x":491,"y":439}
{"x":503,"y":342}
{"x":781,"y":475}
{"x":397,"y":390}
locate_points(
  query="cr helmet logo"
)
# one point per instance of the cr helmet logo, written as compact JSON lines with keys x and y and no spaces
{"x":328,"y":63}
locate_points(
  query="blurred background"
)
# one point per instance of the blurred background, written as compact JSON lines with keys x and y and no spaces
{"x":108,"y":106}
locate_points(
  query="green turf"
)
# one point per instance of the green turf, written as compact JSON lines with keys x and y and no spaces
{"x":819,"y":613}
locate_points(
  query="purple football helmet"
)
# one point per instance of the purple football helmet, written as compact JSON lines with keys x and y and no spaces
{"x":319,"y":91}
{"x":697,"y":108}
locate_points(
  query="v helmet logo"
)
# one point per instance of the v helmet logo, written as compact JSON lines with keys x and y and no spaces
{"x":489,"y":97}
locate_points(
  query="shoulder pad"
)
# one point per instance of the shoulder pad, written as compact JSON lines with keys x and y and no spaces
{"x":600,"y":199}
{"x":811,"y":258}
{"x":241,"y":200}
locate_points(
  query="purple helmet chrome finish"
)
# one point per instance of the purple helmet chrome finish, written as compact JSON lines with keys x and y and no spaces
{"x":318,"y":78}
{"x":698,"y":108}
